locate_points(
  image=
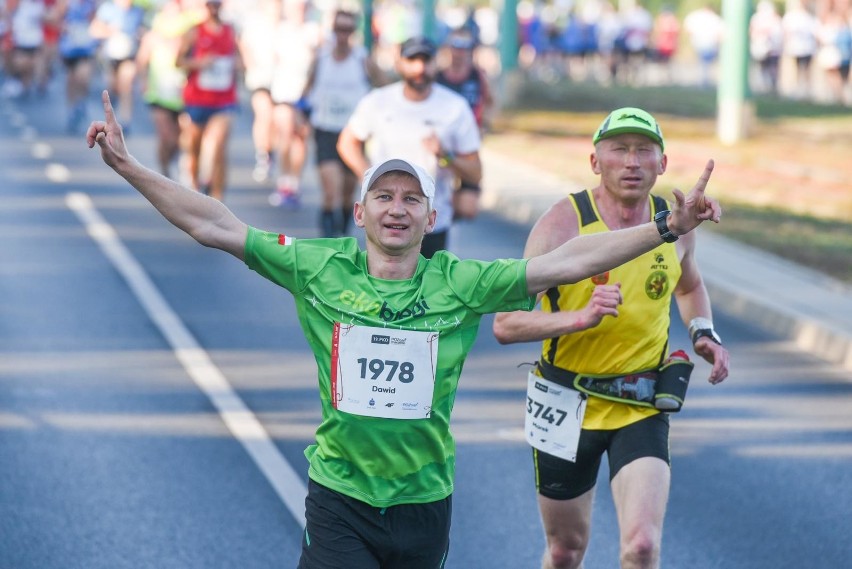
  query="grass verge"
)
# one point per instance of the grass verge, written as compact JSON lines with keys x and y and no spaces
{"x":785,"y":188}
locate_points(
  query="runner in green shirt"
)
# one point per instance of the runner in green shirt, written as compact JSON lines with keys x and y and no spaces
{"x":390,"y":331}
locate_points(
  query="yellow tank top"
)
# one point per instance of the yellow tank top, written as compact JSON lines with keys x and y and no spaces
{"x":636,"y":340}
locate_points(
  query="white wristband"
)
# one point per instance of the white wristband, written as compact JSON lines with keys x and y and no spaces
{"x":699,"y":323}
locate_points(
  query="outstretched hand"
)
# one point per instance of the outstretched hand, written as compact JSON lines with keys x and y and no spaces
{"x":108,"y":135}
{"x":692,"y":209}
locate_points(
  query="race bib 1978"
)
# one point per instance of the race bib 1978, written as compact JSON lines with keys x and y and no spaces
{"x":380,"y":372}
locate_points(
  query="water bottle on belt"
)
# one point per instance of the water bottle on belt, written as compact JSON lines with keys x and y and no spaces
{"x":673,"y":379}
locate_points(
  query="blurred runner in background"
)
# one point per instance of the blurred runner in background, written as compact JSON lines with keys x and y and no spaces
{"x":296,"y":41}
{"x":463,"y":76}
{"x":161,"y":80}
{"x":257,"y":40}
{"x":420,"y":121}
{"x":339,"y":77}
{"x":27,"y":19}
{"x":118,"y":24}
{"x":211,"y":58}
{"x":77,"y":49}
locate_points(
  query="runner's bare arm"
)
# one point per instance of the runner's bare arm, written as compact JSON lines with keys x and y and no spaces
{"x":374,"y":73}
{"x":312,"y":77}
{"x":184,"y":58}
{"x":468,"y":167}
{"x":351,"y":150}
{"x":693,"y":301}
{"x":556,"y":226}
{"x":205,"y":219}
{"x":589,"y":255}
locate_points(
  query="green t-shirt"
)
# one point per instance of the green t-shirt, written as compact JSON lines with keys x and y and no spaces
{"x":377,"y":460}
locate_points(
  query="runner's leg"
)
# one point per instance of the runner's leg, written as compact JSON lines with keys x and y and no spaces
{"x":640,"y":491}
{"x":567,"y":526}
{"x":216,"y":141}
{"x":331,"y":180}
{"x":262,"y":132}
{"x":168,"y":135}
{"x":191,"y":135}
{"x":125,"y":74}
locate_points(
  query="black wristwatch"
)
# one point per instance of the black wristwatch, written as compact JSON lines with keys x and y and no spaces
{"x":706,"y":333}
{"x":663,"y":226}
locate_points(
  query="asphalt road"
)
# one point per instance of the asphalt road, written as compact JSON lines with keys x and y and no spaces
{"x":118,"y":450}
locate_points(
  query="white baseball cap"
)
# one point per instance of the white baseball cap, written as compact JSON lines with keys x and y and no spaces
{"x":427,"y":184}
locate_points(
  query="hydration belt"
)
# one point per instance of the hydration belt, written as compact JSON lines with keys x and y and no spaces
{"x":662,"y":388}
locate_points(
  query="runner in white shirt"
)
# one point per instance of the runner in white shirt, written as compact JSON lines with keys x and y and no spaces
{"x":27,"y":36}
{"x":119,"y":25}
{"x":257,"y":37}
{"x":77,"y":48}
{"x":340,"y":76}
{"x":800,"y":28}
{"x":296,"y":41}
{"x":420,"y":121}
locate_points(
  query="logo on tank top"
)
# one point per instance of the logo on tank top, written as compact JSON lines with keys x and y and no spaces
{"x":657,"y":285}
{"x":601,"y":279}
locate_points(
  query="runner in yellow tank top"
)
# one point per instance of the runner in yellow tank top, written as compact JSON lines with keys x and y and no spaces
{"x":642,"y":326}
{"x":614,"y":323}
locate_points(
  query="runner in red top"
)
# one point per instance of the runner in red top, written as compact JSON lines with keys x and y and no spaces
{"x":210,"y":56}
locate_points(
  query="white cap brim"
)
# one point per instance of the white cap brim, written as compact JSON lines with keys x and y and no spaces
{"x":427,"y":184}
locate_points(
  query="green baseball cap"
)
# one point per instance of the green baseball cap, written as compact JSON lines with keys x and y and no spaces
{"x":630,"y":120}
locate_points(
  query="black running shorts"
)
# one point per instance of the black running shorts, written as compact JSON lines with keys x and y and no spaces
{"x":345,"y":533}
{"x":560,"y":479}
{"x":326,"y":146}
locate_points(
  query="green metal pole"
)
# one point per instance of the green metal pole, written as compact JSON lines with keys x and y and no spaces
{"x":368,"y":26}
{"x":430,"y":21}
{"x":508,"y":41}
{"x":734,"y":105}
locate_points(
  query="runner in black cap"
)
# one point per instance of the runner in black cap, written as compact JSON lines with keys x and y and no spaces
{"x":424,"y":122}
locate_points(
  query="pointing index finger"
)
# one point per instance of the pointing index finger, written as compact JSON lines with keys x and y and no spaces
{"x":109,"y":114}
{"x":702,"y":183}
{"x":705,"y":176}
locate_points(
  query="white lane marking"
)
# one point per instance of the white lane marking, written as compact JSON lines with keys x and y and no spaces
{"x":242,"y":423}
{"x":41,"y":150}
{"x":57,"y":173}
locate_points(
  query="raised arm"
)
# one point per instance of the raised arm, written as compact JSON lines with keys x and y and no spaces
{"x":590,"y":255}
{"x":205,"y":219}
